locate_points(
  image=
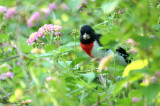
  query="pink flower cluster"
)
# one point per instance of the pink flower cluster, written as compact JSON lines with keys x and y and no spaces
{"x":6,"y":75}
{"x":135,"y":100}
{"x":47,"y":28}
{"x":10,"y":13}
{"x":3,"y":9}
{"x":82,"y":5}
{"x":53,"y":6}
{"x":132,"y":51}
{"x":33,"y":19}
{"x":130,"y":41}
{"x":34,"y":36}
{"x":36,"y":15}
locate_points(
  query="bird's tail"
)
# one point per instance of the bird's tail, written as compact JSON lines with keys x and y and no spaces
{"x":123,"y":53}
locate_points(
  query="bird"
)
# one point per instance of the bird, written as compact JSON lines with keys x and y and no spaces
{"x":90,"y":43}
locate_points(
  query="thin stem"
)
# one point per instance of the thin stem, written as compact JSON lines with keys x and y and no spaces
{"x":75,"y":49}
{"x":81,"y":99}
{"x":23,"y":65}
{"x":54,"y":17}
{"x":101,"y":23}
{"x":114,"y":62}
{"x":51,"y":38}
{"x":10,"y":58}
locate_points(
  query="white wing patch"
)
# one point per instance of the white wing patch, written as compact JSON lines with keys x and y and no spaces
{"x":98,"y":53}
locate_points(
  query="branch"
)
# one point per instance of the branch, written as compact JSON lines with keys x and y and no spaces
{"x":9,"y":94}
{"x":10,"y":58}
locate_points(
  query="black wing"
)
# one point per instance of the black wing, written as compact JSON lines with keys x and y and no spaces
{"x":123,"y":53}
{"x":97,"y":37}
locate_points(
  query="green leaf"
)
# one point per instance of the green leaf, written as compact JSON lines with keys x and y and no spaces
{"x":46,"y":54}
{"x":145,"y":41}
{"x":150,"y":91}
{"x":65,"y":64}
{"x":122,"y":83}
{"x":73,"y":44}
{"x":24,"y":46}
{"x":110,"y":6}
{"x":3,"y":37}
{"x":49,"y":48}
{"x":89,"y":76}
{"x":135,"y":93}
{"x":64,"y":48}
{"x":126,"y":101}
{"x":4,"y":68}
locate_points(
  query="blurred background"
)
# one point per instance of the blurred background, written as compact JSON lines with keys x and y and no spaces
{"x":51,"y":68}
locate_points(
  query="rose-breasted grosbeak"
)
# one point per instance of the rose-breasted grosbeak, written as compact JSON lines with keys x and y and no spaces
{"x":90,"y":42}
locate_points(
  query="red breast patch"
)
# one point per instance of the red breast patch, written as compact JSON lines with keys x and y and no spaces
{"x":87,"y":48}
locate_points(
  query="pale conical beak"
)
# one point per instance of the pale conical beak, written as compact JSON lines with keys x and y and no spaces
{"x":86,"y":36}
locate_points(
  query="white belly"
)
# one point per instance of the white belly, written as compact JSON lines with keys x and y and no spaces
{"x":98,"y":53}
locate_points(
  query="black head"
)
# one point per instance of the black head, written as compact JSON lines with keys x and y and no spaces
{"x":87,"y":34}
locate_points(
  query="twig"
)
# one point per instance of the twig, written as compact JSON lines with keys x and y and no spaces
{"x":101,"y":23}
{"x":10,"y":58}
{"x":9,"y":94}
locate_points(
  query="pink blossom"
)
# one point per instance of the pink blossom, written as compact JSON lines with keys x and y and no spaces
{"x":41,"y":31}
{"x":82,"y":5}
{"x":47,"y":28}
{"x":6,"y":75}
{"x":5,"y":44}
{"x":144,"y":80}
{"x":152,"y":79}
{"x":48,"y":58}
{"x":49,"y":78}
{"x":10,"y":13}
{"x":135,"y":100}
{"x":34,"y":36}
{"x":53,"y":6}
{"x":85,"y":2}
{"x":43,"y":90}
{"x":58,"y":33}
{"x":130,"y":41}
{"x":3,"y":9}
{"x":30,"y":23}
{"x":10,"y":74}
{"x":46,"y":12}
{"x":33,"y":19}
{"x":3,"y":77}
{"x":132,"y":51}
{"x":35,"y":16}
{"x":57,"y":27}
{"x":65,"y":6}
{"x":17,"y":63}
{"x":120,"y":12}
{"x":158,"y":73}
